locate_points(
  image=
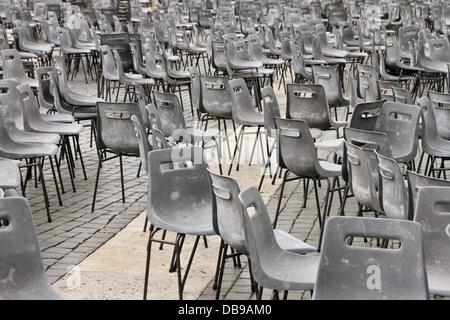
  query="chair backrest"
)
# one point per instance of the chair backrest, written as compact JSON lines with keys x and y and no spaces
{"x":400,"y":122}
{"x":433,"y":213}
{"x":308,"y":102}
{"x":142,"y":101}
{"x":271,"y":110}
{"x":13,"y":101}
{"x":45,"y":97}
{"x":431,"y":140}
{"x":12,"y":64}
{"x":21,"y":267}
{"x":352,"y":90}
{"x":259,"y":235}
{"x":416,"y":181}
{"x":219,"y":58}
{"x":144,"y":145}
{"x":121,"y":42}
{"x":216,"y":95}
{"x":242,"y":103}
{"x":182,"y":193}
{"x":170,"y":112}
{"x":441,"y":107}
{"x":328,"y":78}
{"x":136,"y":50}
{"x":60,"y":104}
{"x":196,"y":92}
{"x":365,"y":114}
{"x":151,"y":56}
{"x":367,"y":273}
{"x":296,"y":148}
{"x":374,"y":140}
{"x":109,"y":68}
{"x":385,"y":89}
{"x":393,"y":191}
{"x":370,"y":74}
{"x":228,"y":216}
{"x":363,"y":176}
{"x":254,"y":47}
{"x":402,"y":95}
{"x":298,"y":63}
{"x":115,"y":129}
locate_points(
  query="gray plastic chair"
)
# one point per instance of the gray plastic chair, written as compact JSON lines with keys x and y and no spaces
{"x":10,"y":177}
{"x":174,"y":127}
{"x":110,"y":74}
{"x":440,"y":102}
{"x":219,"y":57}
{"x":309,"y":102}
{"x":115,"y":136}
{"x":238,"y":58}
{"x":271,"y":109}
{"x":216,"y":102}
{"x":296,"y":151}
{"x":402,"y":95}
{"x":367,"y":81}
{"x":151,"y":67}
{"x":365,"y":115}
{"x":34,"y":122}
{"x":385,"y":89}
{"x":13,"y":150}
{"x":272,"y":266}
{"x":353,"y":95}
{"x":393,"y":190}
{"x":131,"y":80}
{"x":144,"y":144}
{"x":196,"y":93}
{"x":175,"y":79}
{"x":328,"y":78}
{"x":415,"y":182}
{"x":433,"y":214}
{"x":400,"y":122}
{"x":228,"y":222}
{"x":73,"y":98}
{"x":363,"y":177}
{"x":245,"y":115}
{"x":10,"y":122}
{"x":13,"y":68}
{"x":432,"y":143}
{"x":21,"y":268}
{"x":256,"y":53}
{"x":366,"y":273}
{"x":175,"y":205}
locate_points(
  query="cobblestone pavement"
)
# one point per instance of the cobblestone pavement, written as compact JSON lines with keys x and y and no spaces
{"x":76,"y":232}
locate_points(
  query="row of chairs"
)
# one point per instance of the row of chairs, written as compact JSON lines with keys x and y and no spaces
{"x":271,"y":258}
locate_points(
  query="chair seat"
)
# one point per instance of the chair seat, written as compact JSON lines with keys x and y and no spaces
{"x":353,"y":54}
{"x":9,"y":175}
{"x":333,"y":145}
{"x":80,"y":100}
{"x":58,"y":117}
{"x":242,"y":64}
{"x":316,"y":133}
{"x":185,"y":221}
{"x":24,"y":151}
{"x":292,"y":244}
{"x":254,"y":119}
{"x":288,"y":278}
{"x":330,"y":169}
{"x":272,"y":62}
